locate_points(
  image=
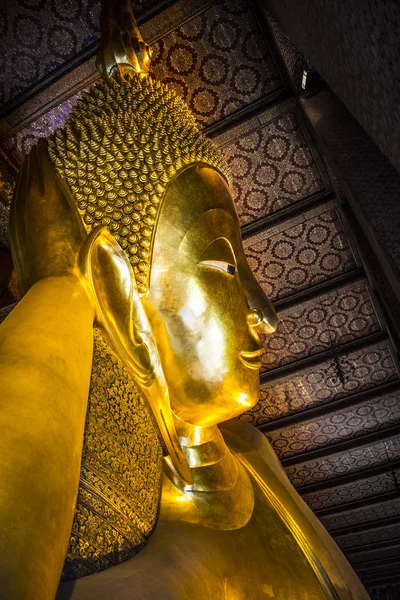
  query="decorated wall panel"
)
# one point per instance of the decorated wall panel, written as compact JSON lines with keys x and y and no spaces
{"x":342,"y":463}
{"x":362,"y":515}
{"x":189,"y":57}
{"x":299,"y":253}
{"x":345,"y":424}
{"x":217,"y":58}
{"x":385,"y":570}
{"x":321,"y":324}
{"x":350,"y":492}
{"x":372,"y":536}
{"x":338,"y":378}
{"x":372,"y":555}
{"x":38,"y":36}
{"x":218,"y":61}
{"x":272,"y":163}
{"x":393,"y":448}
{"x":385,"y":591}
{"x":20,"y":143}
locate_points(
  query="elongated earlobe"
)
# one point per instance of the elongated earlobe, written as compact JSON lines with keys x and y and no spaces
{"x":117,"y":303}
{"x":119,"y":310}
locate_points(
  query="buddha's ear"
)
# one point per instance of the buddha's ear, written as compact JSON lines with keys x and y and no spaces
{"x":119,"y":310}
{"x":117,"y":303}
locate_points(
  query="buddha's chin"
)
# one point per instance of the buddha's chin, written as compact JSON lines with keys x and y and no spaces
{"x":216,"y":413}
{"x":198,"y":403}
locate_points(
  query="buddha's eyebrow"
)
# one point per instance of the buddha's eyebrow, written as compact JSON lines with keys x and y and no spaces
{"x":219,"y":264}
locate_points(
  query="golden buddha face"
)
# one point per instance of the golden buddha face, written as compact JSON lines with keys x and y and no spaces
{"x":204,"y":307}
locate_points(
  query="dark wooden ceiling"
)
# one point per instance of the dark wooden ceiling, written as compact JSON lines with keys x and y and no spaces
{"x":330,"y":383}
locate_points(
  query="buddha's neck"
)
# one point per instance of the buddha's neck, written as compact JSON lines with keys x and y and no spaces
{"x":211,"y":463}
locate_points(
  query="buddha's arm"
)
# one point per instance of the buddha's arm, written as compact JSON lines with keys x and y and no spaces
{"x":256,"y":454}
{"x":45,"y":364}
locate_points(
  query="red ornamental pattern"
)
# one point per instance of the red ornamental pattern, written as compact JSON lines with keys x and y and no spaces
{"x":338,"y":378}
{"x":38,"y":36}
{"x":273,"y":167}
{"x":349,"y":423}
{"x":343,"y":463}
{"x":350,"y":492}
{"x":321,"y":324}
{"x":358,"y":516}
{"x":218,"y":61}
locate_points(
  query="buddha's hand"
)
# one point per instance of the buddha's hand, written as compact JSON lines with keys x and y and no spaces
{"x":47,"y":231}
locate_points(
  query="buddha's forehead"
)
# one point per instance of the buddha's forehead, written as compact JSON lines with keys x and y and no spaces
{"x":197,"y":210}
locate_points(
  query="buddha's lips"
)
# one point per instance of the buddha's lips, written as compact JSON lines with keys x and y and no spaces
{"x":252,"y":360}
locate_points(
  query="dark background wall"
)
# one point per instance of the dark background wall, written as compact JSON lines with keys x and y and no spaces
{"x":354,"y":45}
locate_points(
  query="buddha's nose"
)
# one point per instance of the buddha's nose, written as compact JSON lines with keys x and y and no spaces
{"x":256,"y":319}
{"x":261,"y":315}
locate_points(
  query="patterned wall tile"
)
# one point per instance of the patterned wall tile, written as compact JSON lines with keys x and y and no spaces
{"x":218,"y":61}
{"x":272,"y":166}
{"x":350,"y":492}
{"x":321,"y":324}
{"x":369,"y":416}
{"x":194,"y":39}
{"x":364,"y":538}
{"x":341,"y":377}
{"x":300,"y":255}
{"x":373,"y":512}
{"x":37,"y":36}
{"x":342,"y":463}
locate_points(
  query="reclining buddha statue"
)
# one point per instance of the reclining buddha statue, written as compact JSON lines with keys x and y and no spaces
{"x":125,"y":238}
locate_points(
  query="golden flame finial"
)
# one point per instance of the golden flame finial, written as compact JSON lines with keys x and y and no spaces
{"x":122,"y":48}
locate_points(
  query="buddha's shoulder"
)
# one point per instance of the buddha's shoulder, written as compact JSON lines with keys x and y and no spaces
{"x":251,"y":446}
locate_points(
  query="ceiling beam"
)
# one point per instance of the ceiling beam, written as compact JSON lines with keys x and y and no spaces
{"x":355,"y":442}
{"x":321,"y":357}
{"x":377,"y":561}
{"x":383,"y":578}
{"x":349,"y":478}
{"x":248,"y":111}
{"x":320,"y":410}
{"x":385,"y":562}
{"x":347,"y":507}
{"x":288,"y":212}
{"x":384,"y":545}
{"x":367,"y":526}
{"x":314,"y":291}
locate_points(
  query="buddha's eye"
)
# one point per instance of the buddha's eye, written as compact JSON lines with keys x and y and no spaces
{"x":219,"y":264}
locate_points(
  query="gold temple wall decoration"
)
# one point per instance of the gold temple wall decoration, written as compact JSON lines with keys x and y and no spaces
{"x":121,"y":471}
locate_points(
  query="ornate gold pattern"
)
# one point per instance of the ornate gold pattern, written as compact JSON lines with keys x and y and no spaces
{"x":118,"y":151}
{"x":120,"y":483}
